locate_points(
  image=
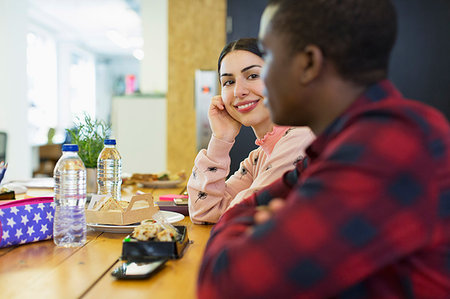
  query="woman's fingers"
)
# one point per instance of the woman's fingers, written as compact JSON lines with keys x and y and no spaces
{"x":217,"y":102}
{"x":223,"y":125}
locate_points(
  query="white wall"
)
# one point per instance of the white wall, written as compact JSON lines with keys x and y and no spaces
{"x":103,"y":90}
{"x":141,"y":137}
{"x":13,"y":84}
{"x":154,"y":66}
{"x":108,"y":71}
{"x":64,"y":113}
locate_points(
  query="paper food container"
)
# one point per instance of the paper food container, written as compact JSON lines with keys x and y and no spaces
{"x":141,"y":207}
{"x":140,"y":251}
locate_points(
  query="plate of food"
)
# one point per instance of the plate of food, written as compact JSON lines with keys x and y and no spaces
{"x":17,"y":188}
{"x":169,"y":216}
{"x":153,"y":180}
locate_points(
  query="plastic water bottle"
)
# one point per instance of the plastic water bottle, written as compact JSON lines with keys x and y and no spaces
{"x":109,"y":170}
{"x":69,"y":227}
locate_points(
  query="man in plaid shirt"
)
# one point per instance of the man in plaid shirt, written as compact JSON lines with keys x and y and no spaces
{"x":367,"y":213}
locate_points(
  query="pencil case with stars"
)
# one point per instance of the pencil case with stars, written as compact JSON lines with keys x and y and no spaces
{"x":26,"y":220}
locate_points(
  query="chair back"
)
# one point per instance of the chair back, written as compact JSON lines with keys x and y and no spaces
{"x":49,"y":154}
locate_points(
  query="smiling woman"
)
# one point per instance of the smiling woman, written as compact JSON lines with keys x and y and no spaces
{"x":242,"y":90}
{"x":241,"y":103}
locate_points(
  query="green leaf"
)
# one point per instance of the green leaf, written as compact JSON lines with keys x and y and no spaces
{"x":90,"y":135}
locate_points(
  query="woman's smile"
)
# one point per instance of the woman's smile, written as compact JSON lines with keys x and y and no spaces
{"x":246,"y":106}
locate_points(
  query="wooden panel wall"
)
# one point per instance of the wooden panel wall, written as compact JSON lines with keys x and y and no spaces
{"x":196,"y":36}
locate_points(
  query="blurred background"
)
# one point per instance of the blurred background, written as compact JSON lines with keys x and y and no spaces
{"x":144,"y":67}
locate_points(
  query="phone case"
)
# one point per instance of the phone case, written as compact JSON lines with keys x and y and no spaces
{"x":153,"y":267}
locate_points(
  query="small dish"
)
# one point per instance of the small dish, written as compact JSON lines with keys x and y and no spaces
{"x":111,"y":228}
{"x":17,"y":188}
{"x":170,"y":217}
{"x":40,"y":183}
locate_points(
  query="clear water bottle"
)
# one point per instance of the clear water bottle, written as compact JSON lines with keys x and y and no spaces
{"x":109,"y":170}
{"x":69,"y":227}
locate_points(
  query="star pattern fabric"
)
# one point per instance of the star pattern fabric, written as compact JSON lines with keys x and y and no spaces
{"x":25,"y":221}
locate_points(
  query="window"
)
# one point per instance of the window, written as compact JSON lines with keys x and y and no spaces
{"x":82,"y":84}
{"x":61,"y":85}
{"x":42,"y":85}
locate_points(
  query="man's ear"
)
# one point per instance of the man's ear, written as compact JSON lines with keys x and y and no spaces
{"x":309,"y":62}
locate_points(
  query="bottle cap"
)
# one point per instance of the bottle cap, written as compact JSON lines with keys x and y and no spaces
{"x":110,"y":141}
{"x":70,"y":148}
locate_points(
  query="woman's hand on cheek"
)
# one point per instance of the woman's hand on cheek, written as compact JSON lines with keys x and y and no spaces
{"x":223,"y":126}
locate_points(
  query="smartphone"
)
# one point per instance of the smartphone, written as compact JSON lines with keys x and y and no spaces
{"x":133,"y":270}
{"x":181,"y":201}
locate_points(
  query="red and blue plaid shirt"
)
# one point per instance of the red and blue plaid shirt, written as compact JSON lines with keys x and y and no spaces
{"x":367,"y":216}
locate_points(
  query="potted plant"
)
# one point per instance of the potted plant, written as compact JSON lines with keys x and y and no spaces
{"x":89,"y":134}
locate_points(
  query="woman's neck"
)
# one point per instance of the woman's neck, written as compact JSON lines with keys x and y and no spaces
{"x":263,"y":128}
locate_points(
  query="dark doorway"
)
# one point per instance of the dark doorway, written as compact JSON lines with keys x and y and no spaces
{"x":243,"y":21}
{"x":420,"y":61}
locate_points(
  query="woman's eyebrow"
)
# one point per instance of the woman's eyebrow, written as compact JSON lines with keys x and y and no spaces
{"x":249,"y":67}
{"x":242,"y":71}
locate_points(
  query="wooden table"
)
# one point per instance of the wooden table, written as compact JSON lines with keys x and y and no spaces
{"x":42,"y":270}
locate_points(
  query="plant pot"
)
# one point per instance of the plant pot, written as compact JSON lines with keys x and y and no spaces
{"x":91,"y":180}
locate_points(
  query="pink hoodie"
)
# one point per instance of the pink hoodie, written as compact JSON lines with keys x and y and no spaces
{"x":210,"y":195}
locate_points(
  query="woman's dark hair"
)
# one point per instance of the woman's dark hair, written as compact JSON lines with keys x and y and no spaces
{"x":244,"y":44}
{"x":356,"y":35}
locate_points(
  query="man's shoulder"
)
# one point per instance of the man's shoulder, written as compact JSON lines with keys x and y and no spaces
{"x":426,"y":116}
{"x":413,"y":114}
{"x":395,"y":128}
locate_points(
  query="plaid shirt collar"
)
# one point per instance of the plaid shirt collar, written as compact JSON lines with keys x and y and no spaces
{"x":375,"y":93}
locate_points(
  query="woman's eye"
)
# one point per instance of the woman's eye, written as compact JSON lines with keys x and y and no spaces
{"x":228,"y":82}
{"x":253,"y":76}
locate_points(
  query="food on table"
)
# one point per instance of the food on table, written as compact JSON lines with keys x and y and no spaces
{"x":112,"y":204}
{"x":163,"y":177}
{"x":144,"y":177}
{"x":5,"y":193}
{"x":153,"y":177}
{"x":151,"y":230}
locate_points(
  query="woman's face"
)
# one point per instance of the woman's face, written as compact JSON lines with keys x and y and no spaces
{"x":242,"y":87}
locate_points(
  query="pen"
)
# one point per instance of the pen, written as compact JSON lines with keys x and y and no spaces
{"x":184,"y":189}
{"x":3,"y":168}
